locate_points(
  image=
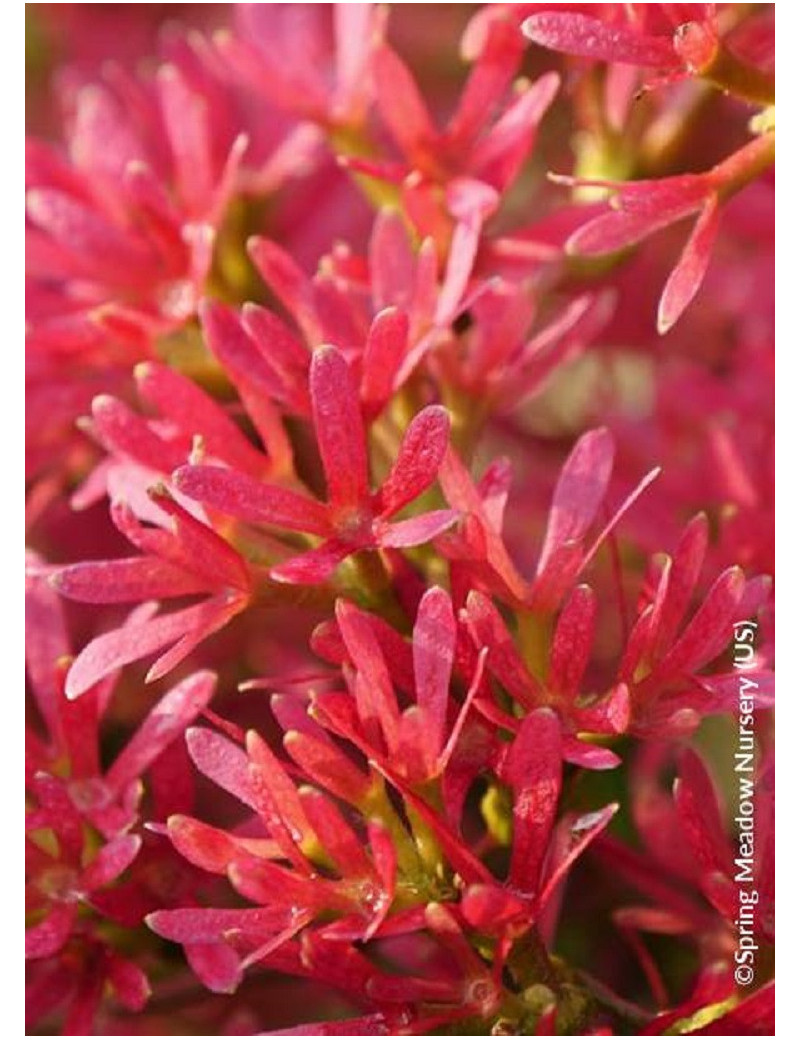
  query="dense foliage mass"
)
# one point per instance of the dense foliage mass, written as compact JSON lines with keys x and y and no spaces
{"x":400,"y":498}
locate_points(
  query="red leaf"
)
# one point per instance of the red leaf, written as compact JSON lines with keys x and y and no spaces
{"x":375,"y":697}
{"x":533,"y":770}
{"x":216,"y":965}
{"x":277,"y":800}
{"x":335,"y":835}
{"x":328,"y":766}
{"x":210,"y":848}
{"x":369,"y":1025}
{"x":488,"y":629}
{"x":385,"y":348}
{"x":131,"y":580}
{"x":236,"y":350}
{"x":204,"y":551}
{"x":401,"y":104}
{"x":47,"y":937}
{"x":672,"y":601}
{"x":574,"y":834}
{"x":339,"y":429}
{"x":572,"y":641}
{"x":589,"y":756}
{"x":697,"y":805}
{"x":490,"y":908}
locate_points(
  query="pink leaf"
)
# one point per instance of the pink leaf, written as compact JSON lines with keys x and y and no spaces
{"x":488,"y":81}
{"x":205,"y":925}
{"x":176,"y":710}
{"x":579,"y":492}
{"x":314,"y":566}
{"x":178,"y":398}
{"x":237,"y":351}
{"x":471,"y":203}
{"x":280,"y":347}
{"x":239,"y":495}
{"x":418,"y":459}
{"x":288,"y":282}
{"x":221,"y":761}
{"x":629,"y":226}
{"x":216,"y":965}
{"x":186,"y":119}
{"x":46,"y":642}
{"x":709,"y":630}
{"x":211,"y":616}
{"x":433,"y":646}
{"x":415,"y":531}
{"x":683,"y":283}
{"x":104,"y":654}
{"x":131,"y":580}
{"x":391,"y":261}
{"x":586,"y":37}
{"x":123,"y":432}
{"x":129,"y":983}
{"x":93,"y":246}
{"x":499,"y":155}
{"x":111,"y":861}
